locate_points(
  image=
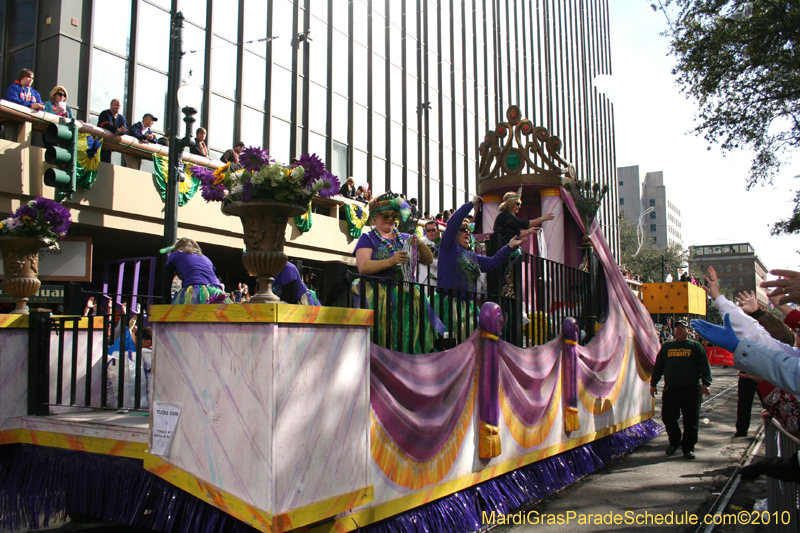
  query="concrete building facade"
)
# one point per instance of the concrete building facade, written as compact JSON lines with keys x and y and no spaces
{"x":738,"y":267}
{"x":397,"y":94}
{"x":663,"y":223}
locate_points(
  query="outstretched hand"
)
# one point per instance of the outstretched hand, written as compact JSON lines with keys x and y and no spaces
{"x":747,"y":301}
{"x":723,"y":336}
{"x":516,"y":241}
{"x":713,"y":284}
{"x":788,"y":287}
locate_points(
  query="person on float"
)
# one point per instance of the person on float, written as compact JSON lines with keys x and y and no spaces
{"x":199,"y":281}
{"x":460,"y":268}
{"x":289,"y":287}
{"x":508,"y":225}
{"x":381,"y":253}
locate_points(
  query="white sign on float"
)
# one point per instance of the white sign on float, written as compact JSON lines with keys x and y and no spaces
{"x":165,"y":420}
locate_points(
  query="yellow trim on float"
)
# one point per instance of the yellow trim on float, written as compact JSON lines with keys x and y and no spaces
{"x":268,"y":313}
{"x":79,"y":443}
{"x":381,"y":512}
{"x":549,"y":192}
{"x":198,"y":488}
{"x":9,"y":321}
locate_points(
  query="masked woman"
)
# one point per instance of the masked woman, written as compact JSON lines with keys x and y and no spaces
{"x":199,"y":281}
{"x":385,"y":253}
{"x":459,"y":269}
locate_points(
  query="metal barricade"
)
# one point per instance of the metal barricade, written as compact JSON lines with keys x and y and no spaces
{"x":782,"y":497}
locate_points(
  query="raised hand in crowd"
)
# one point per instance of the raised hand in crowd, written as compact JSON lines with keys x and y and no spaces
{"x":787,"y":287}
{"x":713,"y":284}
{"x":784,"y":309}
{"x":747,"y":301}
{"x":90,"y":307}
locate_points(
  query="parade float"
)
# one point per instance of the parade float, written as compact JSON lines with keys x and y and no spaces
{"x":275,"y":417}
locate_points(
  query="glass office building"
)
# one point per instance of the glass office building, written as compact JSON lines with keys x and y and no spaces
{"x":397,"y":93}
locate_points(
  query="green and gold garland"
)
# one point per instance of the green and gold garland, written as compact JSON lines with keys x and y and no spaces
{"x":187,"y":188}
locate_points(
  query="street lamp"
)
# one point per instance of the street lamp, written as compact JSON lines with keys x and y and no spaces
{"x":190,"y":98}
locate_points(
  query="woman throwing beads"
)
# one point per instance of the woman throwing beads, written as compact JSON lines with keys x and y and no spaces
{"x":459,"y":269}
{"x":392,"y":256}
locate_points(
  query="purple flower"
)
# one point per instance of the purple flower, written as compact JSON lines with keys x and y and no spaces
{"x":209,"y":190}
{"x":314,"y":169}
{"x":204,"y":175}
{"x":247,"y":191}
{"x":26,"y":211}
{"x":212,"y":193}
{"x":330,"y":185}
{"x":253,"y":158}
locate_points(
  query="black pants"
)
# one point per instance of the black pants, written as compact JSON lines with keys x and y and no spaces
{"x":746,"y":393}
{"x":685,"y":400}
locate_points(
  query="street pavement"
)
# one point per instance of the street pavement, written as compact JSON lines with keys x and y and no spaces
{"x":648,"y":481}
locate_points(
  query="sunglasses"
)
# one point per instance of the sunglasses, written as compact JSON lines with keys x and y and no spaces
{"x":464,"y":230}
{"x":519,"y":204}
{"x":431,"y":230}
{"x":61,"y":94}
{"x":389,"y":217}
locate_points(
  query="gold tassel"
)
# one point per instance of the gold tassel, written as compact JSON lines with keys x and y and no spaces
{"x":489,"y":443}
{"x":571,"y":421}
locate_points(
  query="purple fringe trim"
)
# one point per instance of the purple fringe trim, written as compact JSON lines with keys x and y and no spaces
{"x":40,"y":485}
{"x":504,"y":494}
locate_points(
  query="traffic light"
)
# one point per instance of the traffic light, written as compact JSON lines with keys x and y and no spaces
{"x":63,"y":155}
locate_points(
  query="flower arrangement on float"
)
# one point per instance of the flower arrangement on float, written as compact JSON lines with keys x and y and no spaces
{"x":264,"y":178}
{"x":39,"y":219}
{"x":33,"y":226}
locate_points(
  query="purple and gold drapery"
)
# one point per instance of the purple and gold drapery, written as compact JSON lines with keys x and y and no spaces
{"x":421,"y":409}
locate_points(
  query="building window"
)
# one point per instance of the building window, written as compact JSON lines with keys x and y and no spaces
{"x":652,"y":202}
{"x":741,"y":281}
{"x":652,"y":227}
{"x":622,"y":201}
{"x":739,"y":267}
{"x":653,"y":214}
{"x":728,"y":267}
{"x":621,"y":183}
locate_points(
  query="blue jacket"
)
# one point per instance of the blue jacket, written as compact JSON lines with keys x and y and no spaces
{"x":772,"y":365}
{"x":111,"y":123}
{"x":140,"y":132}
{"x":22,"y":95}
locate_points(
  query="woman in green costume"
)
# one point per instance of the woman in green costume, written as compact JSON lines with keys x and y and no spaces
{"x":388,"y":254}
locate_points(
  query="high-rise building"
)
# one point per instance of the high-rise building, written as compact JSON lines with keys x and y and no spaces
{"x":738,"y":267}
{"x":663,"y":221}
{"x":397,"y":94}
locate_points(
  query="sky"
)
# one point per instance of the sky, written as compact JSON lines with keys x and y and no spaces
{"x":653,"y":123}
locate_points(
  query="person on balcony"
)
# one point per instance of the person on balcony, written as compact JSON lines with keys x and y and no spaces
{"x":22,"y":93}
{"x":392,"y":256}
{"x":231,"y":156}
{"x":58,"y":102}
{"x":114,"y":121}
{"x":348,"y":189}
{"x":199,"y":281}
{"x":460,"y":268}
{"x":199,"y":147}
{"x":142,"y":132}
{"x":289,"y":287}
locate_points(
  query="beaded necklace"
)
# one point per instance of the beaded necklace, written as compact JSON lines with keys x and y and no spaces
{"x":393,"y":247}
